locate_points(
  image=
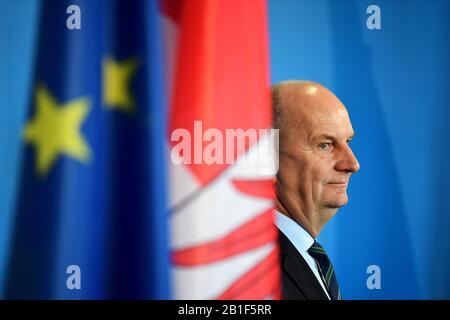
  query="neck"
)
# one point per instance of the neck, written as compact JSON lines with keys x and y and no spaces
{"x":311,"y":219}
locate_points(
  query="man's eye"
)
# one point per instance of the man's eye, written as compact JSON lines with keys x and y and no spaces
{"x":324,"y":145}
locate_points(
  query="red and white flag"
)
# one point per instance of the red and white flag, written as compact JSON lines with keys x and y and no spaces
{"x":223,"y":237}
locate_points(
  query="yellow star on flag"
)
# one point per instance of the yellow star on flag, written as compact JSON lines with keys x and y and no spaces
{"x":55,"y":130}
{"x":116,"y":84}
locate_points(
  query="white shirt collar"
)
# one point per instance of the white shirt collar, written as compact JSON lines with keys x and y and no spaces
{"x":299,"y":237}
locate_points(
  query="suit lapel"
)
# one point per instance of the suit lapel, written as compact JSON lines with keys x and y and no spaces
{"x":298,"y":269}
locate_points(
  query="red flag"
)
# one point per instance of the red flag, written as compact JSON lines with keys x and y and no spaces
{"x":223,"y":235}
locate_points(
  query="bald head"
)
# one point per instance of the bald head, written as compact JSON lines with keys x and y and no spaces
{"x":296,"y":101}
{"x":315,"y":159}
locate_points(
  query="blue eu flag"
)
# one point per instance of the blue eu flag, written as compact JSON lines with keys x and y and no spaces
{"x":90,"y":217}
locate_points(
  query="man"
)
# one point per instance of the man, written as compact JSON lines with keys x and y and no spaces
{"x":315,"y":165}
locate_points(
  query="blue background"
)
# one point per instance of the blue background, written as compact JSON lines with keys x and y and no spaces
{"x":395,"y":83}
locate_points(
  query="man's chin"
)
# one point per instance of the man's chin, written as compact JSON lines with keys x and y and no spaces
{"x":336,"y":203}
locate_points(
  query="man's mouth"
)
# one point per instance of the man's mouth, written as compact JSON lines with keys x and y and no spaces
{"x":338,"y":183}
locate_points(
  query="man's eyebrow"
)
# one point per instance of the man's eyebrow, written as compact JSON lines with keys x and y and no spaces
{"x":329,"y":137}
{"x":325,"y":136}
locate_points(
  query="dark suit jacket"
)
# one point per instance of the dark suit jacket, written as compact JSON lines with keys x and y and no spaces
{"x":297,"y":279}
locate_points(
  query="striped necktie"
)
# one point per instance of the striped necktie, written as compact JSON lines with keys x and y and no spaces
{"x":326,"y":269}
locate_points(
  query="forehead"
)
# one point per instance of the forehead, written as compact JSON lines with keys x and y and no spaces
{"x":312,"y":109}
{"x":324,"y":120}
{"x":335,"y":124}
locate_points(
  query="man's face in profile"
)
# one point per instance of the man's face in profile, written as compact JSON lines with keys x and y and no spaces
{"x":316,"y":151}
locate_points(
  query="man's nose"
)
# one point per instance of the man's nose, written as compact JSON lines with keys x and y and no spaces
{"x":347,"y":161}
